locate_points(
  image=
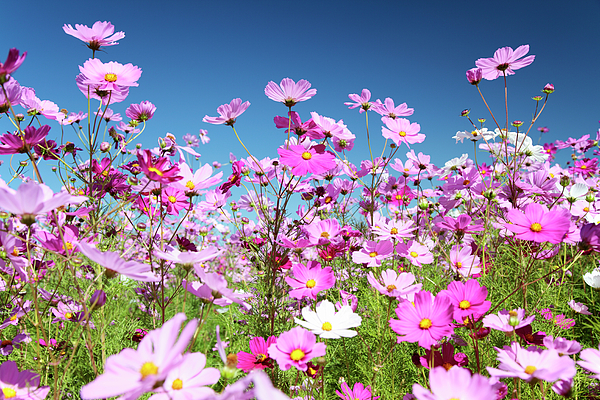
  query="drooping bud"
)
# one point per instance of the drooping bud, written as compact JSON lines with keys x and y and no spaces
{"x":98,"y":299}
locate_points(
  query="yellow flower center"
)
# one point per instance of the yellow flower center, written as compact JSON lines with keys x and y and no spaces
{"x":260,"y":357}
{"x":190,"y":185}
{"x":306,"y":155}
{"x":156,"y":171}
{"x":177,"y":384}
{"x":447,"y":366}
{"x":459,"y":265}
{"x":297,"y":355}
{"x":391,"y":288}
{"x":110,"y":77}
{"x":513,"y":313}
{"x":536,"y":227}
{"x":425,"y":323}
{"x":393,"y":231}
{"x":15,"y":252}
{"x":328,"y":199}
{"x":586,"y":209}
{"x":327,"y":326}
{"x":402,"y":133}
{"x":325,"y":235}
{"x":68,"y":246}
{"x":413,"y":254}
{"x":14,"y":317}
{"x":9,"y":393}
{"x":583,"y":167}
{"x":464,"y":304}
{"x":173,"y":199}
{"x":530,"y":369}
{"x":68,"y":315}
{"x":311,"y":283}
{"x":148,"y":368}
{"x":475,"y":133}
{"x":373,"y":254}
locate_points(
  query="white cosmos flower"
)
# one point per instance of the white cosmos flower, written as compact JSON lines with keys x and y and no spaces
{"x":327,"y":323}
{"x":593,"y":278}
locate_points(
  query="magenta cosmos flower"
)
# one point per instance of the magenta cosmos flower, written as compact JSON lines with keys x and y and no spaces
{"x":309,"y":280}
{"x":259,"y":359}
{"x":159,"y":170}
{"x":532,"y":363}
{"x":538,"y":224}
{"x":12,"y":63}
{"x":295,"y":348}
{"x":141,"y":112}
{"x":100,"y":34}
{"x":134,"y":372}
{"x":393,"y":285}
{"x":23,"y":385}
{"x":15,"y":143}
{"x":474,"y":76}
{"x":426,"y":322}
{"x":358,"y":392}
{"x":228,"y":113}
{"x":504,"y":62}
{"x":110,"y":76}
{"x":114,"y":263}
{"x":455,"y":383}
{"x":289,"y":92}
{"x":400,"y":130}
{"x":468,"y":299}
{"x":302,"y":161}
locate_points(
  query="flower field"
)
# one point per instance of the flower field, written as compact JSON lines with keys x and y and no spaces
{"x":145,"y":273}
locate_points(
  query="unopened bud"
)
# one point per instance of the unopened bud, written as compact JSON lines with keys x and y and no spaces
{"x":513,"y":320}
{"x":105,"y":147}
{"x":19,"y":117}
{"x":97,"y":300}
{"x":465,"y":113}
{"x":590,"y":198}
{"x":549,"y":88}
{"x":481,"y":120}
{"x":537,"y":98}
{"x":564,"y":181}
{"x":517,"y":123}
{"x":23,"y":163}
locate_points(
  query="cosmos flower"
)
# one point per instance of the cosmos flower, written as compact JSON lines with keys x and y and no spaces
{"x":15,"y":143}
{"x":12,"y":97}
{"x":463,"y":262}
{"x":303,"y":161}
{"x":295,"y":348}
{"x":504,"y":62}
{"x":507,"y":321}
{"x":373,"y":253}
{"x":114,"y":263}
{"x":134,"y":372}
{"x":20,"y":385}
{"x":12,"y":63}
{"x":456,"y":383}
{"x":468,"y":299}
{"x":387,"y":109}
{"x":358,"y":392}
{"x":590,"y":360}
{"x":401,"y":130}
{"x":100,"y":34}
{"x":417,"y":254}
{"x":310,"y":279}
{"x":259,"y":359}
{"x":328,"y":324}
{"x":110,"y":76}
{"x":141,"y":112}
{"x":425,"y":322}
{"x":474,"y":76}
{"x":361,"y":101}
{"x":159,"y":170}
{"x":538,"y":224}
{"x":228,"y":113}
{"x":289,"y":92}
{"x":579,"y":307}
{"x":393,"y":285}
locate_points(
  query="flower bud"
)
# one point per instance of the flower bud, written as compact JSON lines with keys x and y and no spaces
{"x":465,"y":113}
{"x":105,"y":147}
{"x":19,"y":117}
{"x":481,"y":120}
{"x":140,"y":226}
{"x":549,"y":88}
{"x":517,"y":123}
{"x":513,"y":320}
{"x":537,"y":98}
{"x":564,"y":181}
{"x":474,"y":76}
{"x":98,"y":299}
{"x":590,"y":198}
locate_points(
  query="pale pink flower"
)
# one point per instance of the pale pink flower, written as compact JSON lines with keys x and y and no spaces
{"x":228,"y":113}
{"x":110,"y":76}
{"x":289,"y":92}
{"x":504,"y":62}
{"x":100,"y":34}
{"x":401,"y":130}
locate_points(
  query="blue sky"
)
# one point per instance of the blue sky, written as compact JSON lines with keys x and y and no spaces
{"x":197,"y":55}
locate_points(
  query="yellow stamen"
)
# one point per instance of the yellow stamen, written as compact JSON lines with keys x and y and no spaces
{"x":110,"y":77}
{"x":190,"y":185}
{"x":148,"y":368}
{"x":173,"y":199}
{"x":413,"y":254}
{"x":402,"y":133}
{"x":156,"y":171}
{"x":177,"y":384}
{"x":68,"y":315}
{"x":425,"y":323}
{"x":311,"y":284}
{"x":464,"y":304}
{"x":393,"y":231}
{"x":391,"y":288}
{"x":325,"y":235}
{"x":373,"y":254}
{"x":536,"y":227}
{"x":306,"y":156}
{"x":327,"y":326}
{"x":9,"y":393}
{"x":297,"y":355}
{"x":530,"y":369}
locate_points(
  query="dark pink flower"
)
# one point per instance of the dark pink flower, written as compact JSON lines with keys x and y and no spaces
{"x":141,"y":112}
{"x":228,"y":112}
{"x":310,"y":279}
{"x":303,"y":161}
{"x":468,"y":299}
{"x":295,"y":348}
{"x":12,"y":63}
{"x":289,"y":92}
{"x":504,"y":62}
{"x":538,"y":224}
{"x":358,"y":392}
{"x":14,"y":143}
{"x":259,"y":359}
{"x":474,"y":76}
{"x":159,"y":170}
{"x":428,"y":321}
{"x":100,"y":34}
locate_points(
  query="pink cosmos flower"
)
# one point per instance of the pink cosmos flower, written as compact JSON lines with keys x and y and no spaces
{"x":504,"y":62}
{"x":538,"y":224}
{"x":16,"y":143}
{"x":562,"y":345}
{"x":401,"y":130}
{"x":361,"y":101}
{"x":358,"y":392}
{"x":134,"y":372}
{"x":373,"y":253}
{"x":114,"y":263}
{"x":417,"y":254}
{"x":289,"y":92}
{"x":309,"y":280}
{"x":12,"y":96}
{"x":105,"y":96}
{"x":175,"y":200}
{"x":322,"y":232}
{"x":326,"y":127}
{"x":218,"y":285}
{"x":302,"y":161}
{"x":12,"y":63}
{"x":295,"y":348}
{"x":110,"y":76}
{"x":188,"y":380}
{"x":532,"y":363}
{"x":506,"y":321}
{"x":387,"y":109}
{"x":31,"y":199}
{"x":591,"y":361}
{"x":159,"y":170}
{"x":228,"y":113}
{"x":456,"y":383}
{"x":259,"y":359}
{"x":204,"y":136}
{"x":20,"y":385}
{"x":428,"y":321}
{"x":393,"y":285}
{"x":141,"y":112}
{"x":579,"y":307}
{"x":100,"y":34}
{"x":468,"y":299}
{"x":463,"y":262}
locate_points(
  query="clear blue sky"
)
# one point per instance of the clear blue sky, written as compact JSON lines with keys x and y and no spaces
{"x":197,"y":55}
